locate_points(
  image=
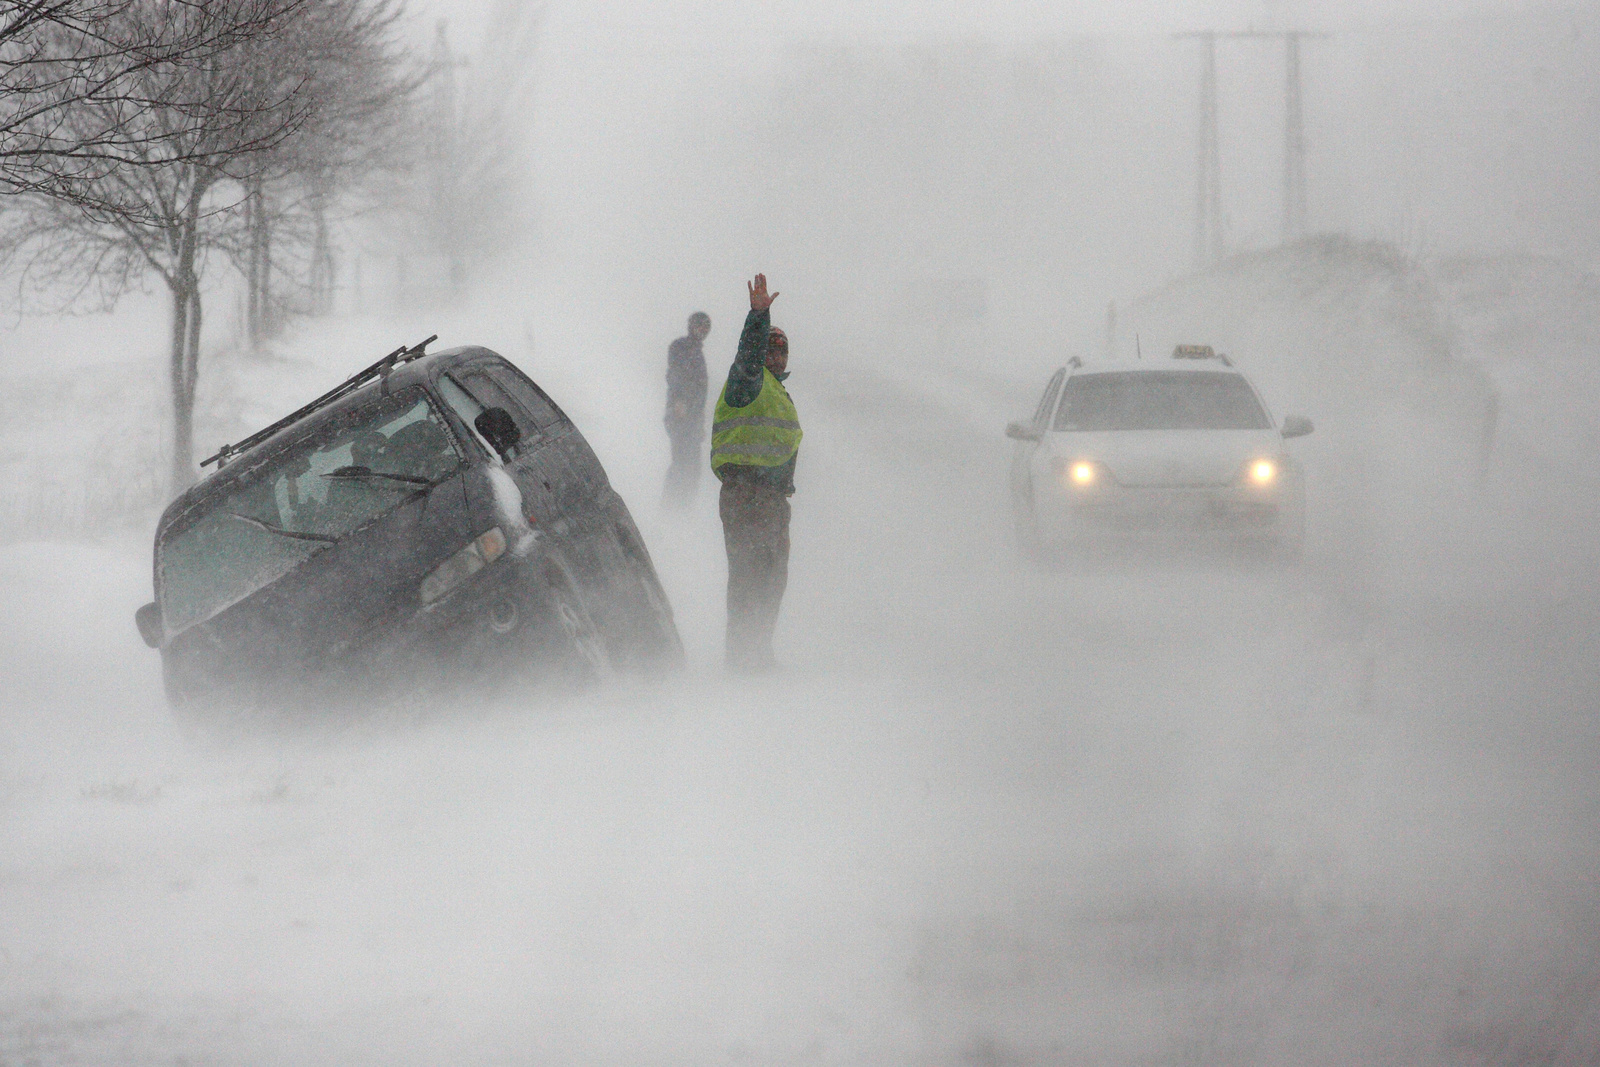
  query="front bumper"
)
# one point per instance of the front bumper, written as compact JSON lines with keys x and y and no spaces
{"x":477,"y":627}
{"x":1175,"y":509}
{"x":1181,"y":512}
{"x":478,"y":631}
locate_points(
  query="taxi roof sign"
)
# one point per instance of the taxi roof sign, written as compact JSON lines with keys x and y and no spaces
{"x":1193,"y":352}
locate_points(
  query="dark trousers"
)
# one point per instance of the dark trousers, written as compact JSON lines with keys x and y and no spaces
{"x":755,"y":526}
{"x":688,"y":457}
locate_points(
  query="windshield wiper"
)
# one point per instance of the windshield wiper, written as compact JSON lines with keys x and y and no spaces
{"x":280,"y":530}
{"x":365,"y":472}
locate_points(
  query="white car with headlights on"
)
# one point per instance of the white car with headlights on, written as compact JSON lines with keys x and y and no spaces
{"x":1183,"y":450}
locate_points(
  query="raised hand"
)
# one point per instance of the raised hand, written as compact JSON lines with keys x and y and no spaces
{"x":759,"y":298}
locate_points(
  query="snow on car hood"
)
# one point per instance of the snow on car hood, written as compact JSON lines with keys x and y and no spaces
{"x":1169,"y":458}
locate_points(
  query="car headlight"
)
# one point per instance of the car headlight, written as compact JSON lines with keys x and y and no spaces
{"x":1262,"y":472}
{"x":1081,"y":474}
{"x":479,"y":553}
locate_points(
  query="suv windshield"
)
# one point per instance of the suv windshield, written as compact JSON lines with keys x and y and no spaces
{"x":299,"y":502}
{"x":1160,"y":400}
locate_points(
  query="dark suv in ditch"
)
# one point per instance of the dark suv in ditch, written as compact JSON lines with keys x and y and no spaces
{"x":434,"y":518}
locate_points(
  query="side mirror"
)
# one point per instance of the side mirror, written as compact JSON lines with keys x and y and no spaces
{"x":499,"y":429}
{"x":148,"y":620}
{"x":1021,"y":431}
{"x":1296,"y":426}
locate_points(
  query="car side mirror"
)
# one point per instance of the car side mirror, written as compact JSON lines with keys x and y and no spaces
{"x":1021,"y":431}
{"x":499,"y":429}
{"x":1296,"y":426}
{"x":148,"y":620}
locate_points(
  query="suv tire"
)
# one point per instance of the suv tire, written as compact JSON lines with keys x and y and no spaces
{"x":568,"y":646}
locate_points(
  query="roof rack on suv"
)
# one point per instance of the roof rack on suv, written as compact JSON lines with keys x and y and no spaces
{"x":380,"y":369}
{"x":1199,"y":352}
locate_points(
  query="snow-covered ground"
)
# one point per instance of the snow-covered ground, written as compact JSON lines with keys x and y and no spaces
{"x":1156,"y":811}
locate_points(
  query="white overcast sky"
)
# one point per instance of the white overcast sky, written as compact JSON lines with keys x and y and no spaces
{"x":916,"y":18}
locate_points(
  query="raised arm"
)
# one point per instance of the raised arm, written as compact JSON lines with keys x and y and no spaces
{"x":744,"y":377}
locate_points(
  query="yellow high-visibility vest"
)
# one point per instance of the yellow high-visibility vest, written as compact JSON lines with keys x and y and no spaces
{"x":763,"y":433}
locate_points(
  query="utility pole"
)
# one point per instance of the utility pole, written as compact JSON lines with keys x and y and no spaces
{"x":1294,"y":140}
{"x":443,"y":200}
{"x":1209,"y":242}
{"x":1294,"y":130}
{"x":1208,"y":239}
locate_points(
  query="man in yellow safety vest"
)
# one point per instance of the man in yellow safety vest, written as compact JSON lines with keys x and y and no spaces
{"x":755,"y":440}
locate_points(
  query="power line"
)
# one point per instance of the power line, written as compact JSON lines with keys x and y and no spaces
{"x":1294,"y":129}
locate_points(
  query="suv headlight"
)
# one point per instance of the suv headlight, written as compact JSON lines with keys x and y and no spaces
{"x":479,"y":553}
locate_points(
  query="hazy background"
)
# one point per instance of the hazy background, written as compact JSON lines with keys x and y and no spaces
{"x":1054,"y":158}
{"x":1165,"y":811}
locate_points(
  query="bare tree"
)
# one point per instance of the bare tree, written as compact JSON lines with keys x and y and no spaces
{"x":201,"y":132}
{"x":362,"y":128}
{"x":63,"y":61}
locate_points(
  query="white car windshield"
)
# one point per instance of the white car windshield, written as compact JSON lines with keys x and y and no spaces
{"x":300,"y":502}
{"x":1160,"y":400}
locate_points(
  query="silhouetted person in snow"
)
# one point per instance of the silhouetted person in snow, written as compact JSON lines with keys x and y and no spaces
{"x":686,"y":411}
